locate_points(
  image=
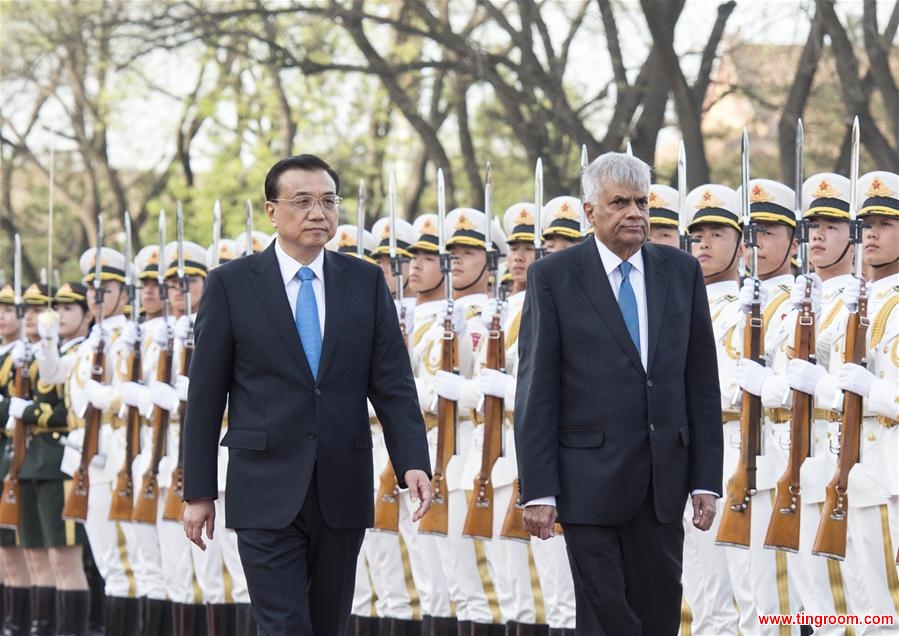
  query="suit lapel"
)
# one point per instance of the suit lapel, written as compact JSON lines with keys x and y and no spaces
{"x":269,"y":289}
{"x":656,"y":291}
{"x":338,"y":289}
{"x":591,"y":275}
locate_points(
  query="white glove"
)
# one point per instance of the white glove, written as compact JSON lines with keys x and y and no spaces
{"x":805,"y":376}
{"x":490,"y":310}
{"x":448,"y":385}
{"x":17,"y":407}
{"x":182,"y":384}
{"x":751,"y":376}
{"x":96,"y":334}
{"x":136,"y":395}
{"x":182,"y":328}
{"x":161,"y":335}
{"x":130,"y":334}
{"x":855,"y":379}
{"x":164,"y":396}
{"x":747,"y":291}
{"x":852,"y":291}
{"x":797,"y":294}
{"x":48,"y":326}
{"x":98,"y":395}
{"x":407,"y":321}
{"x":459,"y":325}
{"x":493,"y":382}
{"x":21,"y":352}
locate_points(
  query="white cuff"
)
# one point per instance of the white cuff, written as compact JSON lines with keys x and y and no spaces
{"x":542,"y":501}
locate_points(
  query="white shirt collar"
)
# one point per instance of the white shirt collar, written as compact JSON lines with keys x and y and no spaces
{"x":611,"y":261}
{"x":289,"y":266}
{"x":783,"y":279}
{"x":722,"y":288}
{"x":835,"y":283}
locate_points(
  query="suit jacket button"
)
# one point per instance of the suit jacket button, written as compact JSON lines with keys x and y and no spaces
{"x":311,"y":435}
{"x":649,"y":383}
{"x":652,"y":427}
{"x":317,"y":391}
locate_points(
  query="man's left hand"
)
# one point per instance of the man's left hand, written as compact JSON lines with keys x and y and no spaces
{"x":419,"y":490}
{"x":704,"y":509}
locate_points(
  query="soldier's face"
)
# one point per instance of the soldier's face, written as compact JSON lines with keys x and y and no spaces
{"x":664,"y":235}
{"x":521,"y":255}
{"x":620,"y":217}
{"x":558,"y":243}
{"x":775,"y":245}
{"x":114,"y":299}
{"x":73,"y":320}
{"x":387,"y":267}
{"x":150,"y":299}
{"x":9,"y":323}
{"x":424,"y":272}
{"x":469,"y":265}
{"x":308,"y":230}
{"x":714,"y":247}
{"x":31,"y":314}
{"x":827,"y":241}
{"x":880,"y":240}
{"x":176,"y":296}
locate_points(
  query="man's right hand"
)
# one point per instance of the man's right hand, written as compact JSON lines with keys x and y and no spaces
{"x":197,"y":514}
{"x":539,"y":520}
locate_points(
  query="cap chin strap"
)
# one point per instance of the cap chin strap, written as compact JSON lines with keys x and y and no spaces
{"x":428,"y":291}
{"x":474,"y":282}
{"x":839,"y":258}
{"x":729,"y":263}
{"x":885,"y":264}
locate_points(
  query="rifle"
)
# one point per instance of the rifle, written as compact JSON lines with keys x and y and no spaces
{"x":9,"y":502}
{"x":387,"y":506}
{"x":436,"y":521}
{"x":783,"y":528}
{"x":479,"y":520}
{"x":75,"y":507}
{"x":830,"y":540}
{"x":145,"y":508}
{"x":736,"y":519}
{"x":123,"y":493}
{"x":174,"y":496}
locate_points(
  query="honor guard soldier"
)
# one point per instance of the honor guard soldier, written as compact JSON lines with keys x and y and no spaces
{"x":663,"y":215}
{"x":873,"y":482}
{"x":345,"y":239}
{"x":52,"y":545}
{"x":227,"y":250}
{"x":561,"y":221}
{"x":764,"y":572}
{"x":715,"y":231}
{"x":470,"y":587}
{"x":89,"y":396}
{"x":405,"y":236}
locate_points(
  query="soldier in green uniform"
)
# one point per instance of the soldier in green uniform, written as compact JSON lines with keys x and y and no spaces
{"x":12,"y":558}
{"x":52,"y":546}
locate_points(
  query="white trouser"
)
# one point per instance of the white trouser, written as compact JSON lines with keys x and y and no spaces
{"x":869,"y":540}
{"x":556,"y":582}
{"x":707,"y":588}
{"x":363,"y":598}
{"x":424,"y":559}
{"x":177,"y":565}
{"x":108,"y":543}
{"x":208,"y":569}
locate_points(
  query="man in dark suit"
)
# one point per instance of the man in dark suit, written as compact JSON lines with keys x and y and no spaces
{"x":295,"y":339}
{"x":617,"y":413}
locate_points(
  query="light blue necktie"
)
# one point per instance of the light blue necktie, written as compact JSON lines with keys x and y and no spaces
{"x":628,"y":303}
{"x":306,"y":317}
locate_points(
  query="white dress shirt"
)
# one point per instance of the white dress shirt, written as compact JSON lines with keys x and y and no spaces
{"x":289,"y":268}
{"x":637,"y":278}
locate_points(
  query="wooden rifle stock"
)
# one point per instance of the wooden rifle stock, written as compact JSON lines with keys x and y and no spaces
{"x":123,"y":494}
{"x":75,"y":507}
{"x":513,"y":524}
{"x":437,"y":519}
{"x":479,"y":520}
{"x":174,"y":497}
{"x":736,"y":518}
{"x":830,"y":540}
{"x":387,"y":503}
{"x":146,"y":506}
{"x":9,"y":502}
{"x":783,"y":528}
